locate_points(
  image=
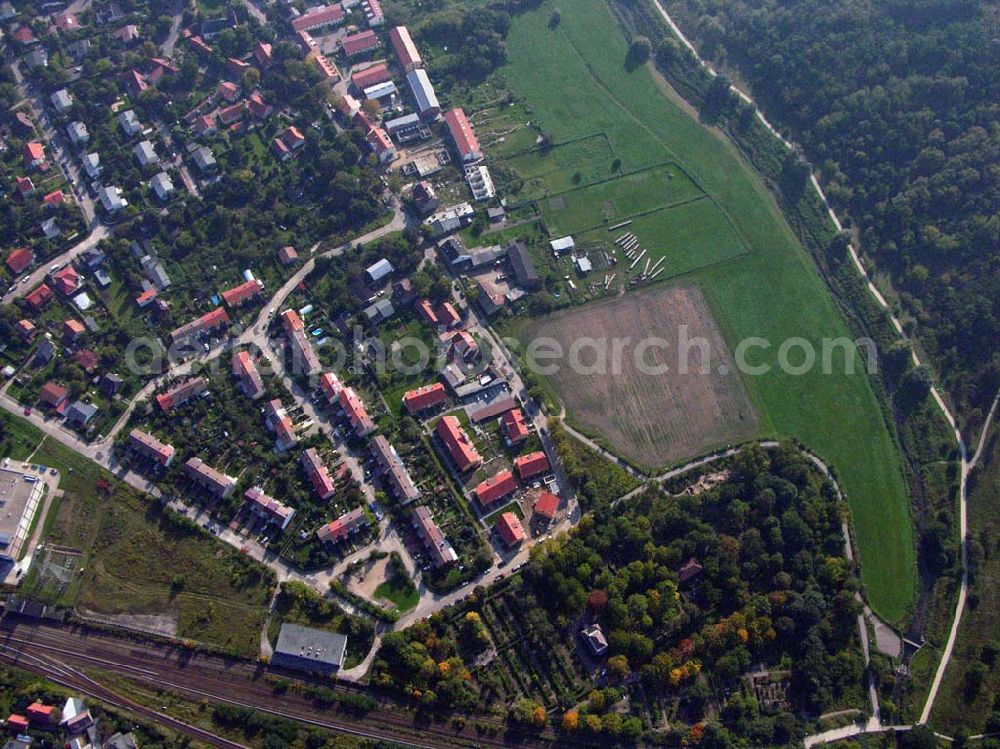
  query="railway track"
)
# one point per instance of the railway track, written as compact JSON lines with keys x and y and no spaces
{"x":59,"y":652}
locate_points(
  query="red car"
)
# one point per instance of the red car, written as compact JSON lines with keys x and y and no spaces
{"x":27,"y":411}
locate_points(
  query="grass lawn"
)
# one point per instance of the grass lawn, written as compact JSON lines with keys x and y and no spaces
{"x":773,"y":291}
{"x":400,"y":590}
{"x":18,"y":438}
{"x":137,"y":559}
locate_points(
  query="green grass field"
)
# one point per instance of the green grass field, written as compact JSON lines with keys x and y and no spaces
{"x":136,"y":559}
{"x":773,"y":291}
{"x":400,"y":590}
{"x":614,"y":200}
{"x":553,"y":170}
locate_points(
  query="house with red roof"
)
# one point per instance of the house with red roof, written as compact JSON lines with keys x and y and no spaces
{"x":246,"y":372}
{"x":210,"y":321}
{"x":87,"y":360}
{"x":237,"y":67}
{"x":26,"y":330}
{"x":514,"y":427}
{"x":509,"y":528}
{"x":52,"y":395}
{"x":25,"y":186}
{"x":278,"y":420}
{"x":331,"y":386}
{"x":318,"y":474}
{"x":40,"y":713}
{"x":135,"y":82}
{"x":331,"y":15}
{"x":146,"y":297}
{"x":181,"y":393}
{"x":258,"y":107}
{"x":264,"y":55}
{"x":382,"y":145}
{"x":150,"y":447}
{"x":462,"y":135}
{"x":268,"y":508}
{"x":405,"y":49}
{"x":465,"y":345}
{"x":373,"y":12}
{"x":200,"y":46}
{"x":205,"y":124}
{"x":209,"y":478}
{"x":463,"y":453}
{"x":287,"y":255}
{"x":448,"y":316}
{"x":424,"y":398}
{"x":34,"y":154}
{"x":426,"y":311}
{"x":243,"y":293}
{"x":342,"y":527}
{"x":56,"y":197}
{"x":67,"y":281}
{"x":495,"y":488}
{"x":72,"y":330}
{"x":229,"y":91}
{"x":546,"y":506}
{"x":24,"y":35}
{"x":229,"y":115}
{"x":363,"y":79}
{"x":288,"y":142}
{"x":17,"y":723}
{"x":18,"y":260}
{"x":291,"y":321}
{"x":40,"y":296}
{"x":531,"y":464}
{"x":357,"y":414}
{"x":355,"y":45}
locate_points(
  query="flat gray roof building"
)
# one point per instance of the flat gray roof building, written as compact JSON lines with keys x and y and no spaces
{"x":308,"y":649}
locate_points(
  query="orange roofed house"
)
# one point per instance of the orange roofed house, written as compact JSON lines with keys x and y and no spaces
{"x":342,"y":527}
{"x":238,"y":295}
{"x":495,"y":488}
{"x":424,"y":397}
{"x":458,"y":444}
{"x":531,"y":464}
{"x":514,"y":427}
{"x":509,"y":528}
{"x":317,"y":472}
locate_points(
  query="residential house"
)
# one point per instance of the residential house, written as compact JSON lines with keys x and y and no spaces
{"x":264,"y":55}
{"x":460,"y":448}
{"x":18,"y":260}
{"x":91,"y":161}
{"x":145,"y":153}
{"x":150,"y":447}
{"x":287,"y":255}
{"x":112,"y":198}
{"x":52,"y":395}
{"x":162,"y":186}
{"x":40,"y":296}
{"x":357,"y":414}
{"x":378,"y":73}
{"x":66,"y":280}
{"x":209,"y":322}
{"x":405,"y":49}
{"x":34,"y":155}
{"x":463,"y":136}
{"x":531,"y":465}
{"x":129,"y":123}
{"x":361,"y":43}
{"x":435,"y":544}
{"x":278,"y":421}
{"x":451,"y":219}
{"x":249,"y":378}
{"x":268,"y":508}
{"x":204,"y":159}
{"x":216,"y":483}
{"x":79,"y":414}
{"x":424,"y":398}
{"x":394,"y":470}
{"x":510,"y":530}
{"x":239,"y":295}
{"x":331,"y":15}
{"x":425,"y":197}
{"x":423,"y":94}
{"x":495,"y":488}
{"x":341,"y":528}
{"x":62,"y":102}
{"x":181,"y":393}
{"x":317,"y":472}
{"x":72,"y":331}
{"x":546,"y":506}
{"x":514,"y":427}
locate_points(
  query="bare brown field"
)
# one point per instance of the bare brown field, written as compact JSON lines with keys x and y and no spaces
{"x":656,"y":418}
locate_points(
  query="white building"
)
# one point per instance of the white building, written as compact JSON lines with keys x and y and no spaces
{"x":112,"y":199}
{"x":129,"y":123}
{"x":78,"y":134}
{"x":92,"y":165}
{"x":162,"y":186}
{"x":62,"y":101}
{"x":145,"y":153}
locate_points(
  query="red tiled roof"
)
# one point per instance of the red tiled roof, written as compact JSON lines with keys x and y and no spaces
{"x":229,"y":90}
{"x":514,"y":426}
{"x":291,"y":320}
{"x":40,"y":296}
{"x":258,"y":107}
{"x":360,"y":42}
{"x":25,"y":328}
{"x":145,"y":297}
{"x":457,"y":442}
{"x":199,"y":44}
{"x":331,"y":14}
{"x":239,"y":294}
{"x":33,"y":152}
{"x":370,"y":76}
{"x":426,"y":311}
{"x":546,"y":505}
{"x":317,"y":473}
{"x":20,"y":259}
{"x":38,"y":711}
{"x":73,"y":327}
{"x":531,"y":464}
{"x":54,"y":198}
{"x":462,"y":133}
{"x":66,"y":280}
{"x":18,"y":722}
{"x":495,"y":488}
{"x":379,"y":140}
{"x":246,"y":371}
{"x":52,"y":394}
{"x":151,"y":447}
{"x":231,"y":114}
{"x":86,"y":359}
{"x":447,"y":314}
{"x":287,"y":255}
{"x":263,"y":52}
{"x":343,"y":526}
{"x":424,"y":397}
{"x":204,"y":124}
{"x":508,"y":526}
{"x":331,"y":386}
{"x":181,"y":394}
{"x":361,"y":422}
{"x":25,"y":186}
{"x":406,"y":50}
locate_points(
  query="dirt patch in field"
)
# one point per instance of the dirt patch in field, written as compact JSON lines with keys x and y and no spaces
{"x":642,"y":402}
{"x":369,"y":577}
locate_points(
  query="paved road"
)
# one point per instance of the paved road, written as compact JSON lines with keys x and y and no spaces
{"x":175,"y":27}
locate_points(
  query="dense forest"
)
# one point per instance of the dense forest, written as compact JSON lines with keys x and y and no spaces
{"x":898,"y":106}
{"x":773,"y":594}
